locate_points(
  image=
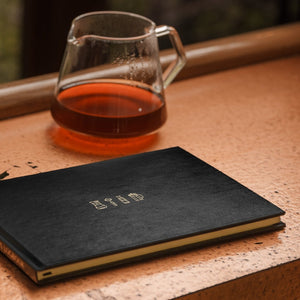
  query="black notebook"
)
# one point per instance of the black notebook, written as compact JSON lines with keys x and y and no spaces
{"x":79,"y":219}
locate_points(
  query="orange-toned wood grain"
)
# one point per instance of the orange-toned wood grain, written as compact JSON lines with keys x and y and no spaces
{"x":277,"y":283}
{"x":35,"y":94}
{"x":243,"y":121}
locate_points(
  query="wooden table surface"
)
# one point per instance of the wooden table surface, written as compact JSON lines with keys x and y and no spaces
{"x":243,"y":121}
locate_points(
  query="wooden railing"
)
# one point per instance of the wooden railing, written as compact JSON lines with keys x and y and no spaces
{"x":35,"y":93}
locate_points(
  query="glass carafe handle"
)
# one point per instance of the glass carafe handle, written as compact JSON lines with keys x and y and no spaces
{"x":174,"y":68}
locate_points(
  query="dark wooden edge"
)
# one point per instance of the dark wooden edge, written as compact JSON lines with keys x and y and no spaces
{"x":276,"y":283}
{"x":35,"y":93}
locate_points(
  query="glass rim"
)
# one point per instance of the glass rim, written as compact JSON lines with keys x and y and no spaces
{"x":152,"y":25}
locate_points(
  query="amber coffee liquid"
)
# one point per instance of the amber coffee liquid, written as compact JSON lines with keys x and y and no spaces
{"x":109,"y":109}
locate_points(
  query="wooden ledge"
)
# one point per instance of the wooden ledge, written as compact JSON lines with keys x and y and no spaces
{"x":35,"y":93}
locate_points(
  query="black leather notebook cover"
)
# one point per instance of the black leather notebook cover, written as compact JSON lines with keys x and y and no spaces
{"x":74,"y":220}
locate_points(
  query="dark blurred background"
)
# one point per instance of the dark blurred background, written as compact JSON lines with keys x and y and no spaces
{"x":33,"y":32}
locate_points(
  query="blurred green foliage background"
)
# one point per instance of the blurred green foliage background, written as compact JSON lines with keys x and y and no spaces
{"x":195,"y":20}
{"x":10,"y":39}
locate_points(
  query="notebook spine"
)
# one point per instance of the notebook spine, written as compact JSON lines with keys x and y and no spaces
{"x":10,"y":254}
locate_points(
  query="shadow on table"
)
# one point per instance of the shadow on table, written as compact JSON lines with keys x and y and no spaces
{"x":219,"y":254}
{"x":110,"y":147}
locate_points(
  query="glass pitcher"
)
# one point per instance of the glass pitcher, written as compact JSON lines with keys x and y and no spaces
{"x":111,"y":82}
